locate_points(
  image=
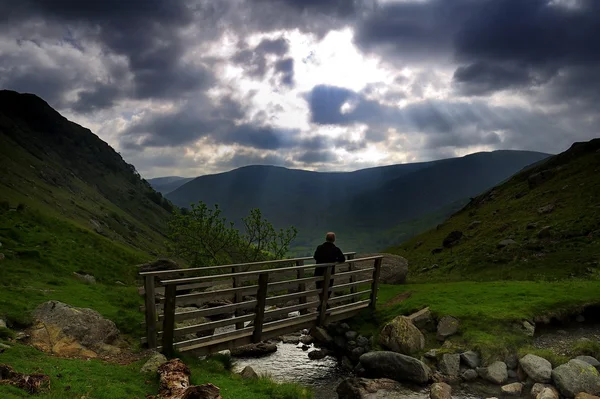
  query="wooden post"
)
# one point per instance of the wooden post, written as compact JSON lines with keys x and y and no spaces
{"x":150,"y":305}
{"x":237,"y":298}
{"x":169,"y":319}
{"x":375,"y":284}
{"x":261,"y":301}
{"x":324,"y":296}
{"x":352,"y":267}
{"x":301,"y":286}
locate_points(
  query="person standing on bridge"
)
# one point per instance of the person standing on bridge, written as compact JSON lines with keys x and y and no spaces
{"x":327,"y":253}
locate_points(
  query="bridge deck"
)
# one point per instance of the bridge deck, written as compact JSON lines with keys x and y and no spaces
{"x":272,"y":300}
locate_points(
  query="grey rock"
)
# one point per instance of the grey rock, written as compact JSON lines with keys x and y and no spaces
{"x":320,"y":335}
{"x":590,"y":360}
{"x":512,"y":374}
{"x":395,"y":365}
{"x":317,"y":354}
{"x":576,"y":376}
{"x":400,"y":335}
{"x":358,"y":352}
{"x":254,"y":350}
{"x":537,"y":368}
{"x":306,"y":339}
{"x":248,"y":373}
{"x":394,"y":268}
{"x":152,"y":364}
{"x":512,"y":361}
{"x":529,"y":328}
{"x":537,"y":388}
{"x":469,"y":375}
{"x":431,"y":354}
{"x":340,"y":342}
{"x":531,"y":226}
{"x":544,"y":210}
{"x":440,"y":390}
{"x":506,"y":243}
{"x":447,"y":326}
{"x":513,"y":389}
{"x":450,"y":364}
{"x":470,"y":359}
{"x":2,"y":324}
{"x":363,"y":388}
{"x":362,"y":341}
{"x":496,"y":373}
{"x":290,"y":339}
{"x":548,"y":393}
{"x":86,"y":278}
{"x":423,"y":320}
{"x":351,"y":335}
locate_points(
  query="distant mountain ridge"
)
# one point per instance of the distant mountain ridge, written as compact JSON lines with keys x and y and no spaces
{"x":373,"y":200}
{"x":167,"y":184}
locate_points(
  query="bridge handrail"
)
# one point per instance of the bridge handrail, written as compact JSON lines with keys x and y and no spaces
{"x":232,"y":266}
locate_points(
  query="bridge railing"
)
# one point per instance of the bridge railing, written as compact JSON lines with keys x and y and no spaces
{"x":252,"y":292}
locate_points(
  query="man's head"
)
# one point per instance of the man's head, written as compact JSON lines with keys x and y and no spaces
{"x":330,"y":237}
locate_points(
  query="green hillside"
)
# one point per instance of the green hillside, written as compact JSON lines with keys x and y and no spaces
{"x":550,"y":213}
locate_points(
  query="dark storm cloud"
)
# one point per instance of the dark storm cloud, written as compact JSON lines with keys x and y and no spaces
{"x":255,"y":61}
{"x":311,"y":157}
{"x":285,"y":68}
{"x":482,"y":78}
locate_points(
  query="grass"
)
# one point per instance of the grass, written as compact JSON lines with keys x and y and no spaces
{"x":95,"y":379}
{"x":571,"y":249}
{"x":490,"y":313}
{"x":42,"y":252}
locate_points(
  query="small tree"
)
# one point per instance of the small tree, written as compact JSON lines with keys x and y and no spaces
{"x":204,"y":238}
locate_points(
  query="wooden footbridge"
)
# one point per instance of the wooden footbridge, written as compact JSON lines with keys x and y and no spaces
{"x":263,"y":300}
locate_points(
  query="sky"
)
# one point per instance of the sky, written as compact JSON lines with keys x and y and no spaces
{"x":191,"y":87}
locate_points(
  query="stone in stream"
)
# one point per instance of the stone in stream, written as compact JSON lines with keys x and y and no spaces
{"x":400,"y":335}
{"x":576,"y":376}
{"x":537,"y":368}
{"x":440,"y":390}
{"x":361,"y":388}
{"x":248,"y":373}
{"x":539,"y":387}
{"x":496,"y":373}
{"x":548,"y":393}
{"x":513,"y":389}
{"x":306,"y":339}
{"x":254,"y":350}
{"x":317,"y":354}
{"x":320,"y":335}
{"x":395,"y":365}
{"x":450,"y":364}
{"x":470,"y":359}
{"x":469,"y":375}
{"x":290,"y":339}
{"x":447,"y":326}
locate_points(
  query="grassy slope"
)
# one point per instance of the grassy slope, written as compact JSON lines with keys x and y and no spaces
{"x":493,"y":290}
{"x":94,"y":379}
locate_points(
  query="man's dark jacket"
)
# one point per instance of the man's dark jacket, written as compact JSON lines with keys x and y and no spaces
{"x":327,"y":253}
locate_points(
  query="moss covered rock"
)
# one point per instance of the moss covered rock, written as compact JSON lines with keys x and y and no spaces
{"x":400,"y":335}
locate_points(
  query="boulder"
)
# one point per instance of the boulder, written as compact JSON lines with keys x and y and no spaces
{"x":394,"y":268}
{"x":529,"y":328}
{"x":470,"y":359}
{"x":537,"y":368}
{"x":2,"y":324}
{"x":363,"y":388}
{"x":512,"y":361}
{"x":506,"y":243}
{"x":450,"y":364}
{"x":496,"y":373}
{"x":306,"y":339}
{"x":539,"y":387}
{"x":423,"y":320}
{"x":248,"y":373}
{"x":544,"y":210}
{"x":317,"y":354}
{"x":152,"y":364}
{"x":396,"y":366}
{"x":321,"y":335}
{"x":290,"y":339}
{"x":469,"y":375}
{"x":590,"y":360}
{"x":452,"y":239}
{"x":431,"y":354}
{"x":513,"y":389}
{"x":583,"y":395}
{"x":400,"y":335}
{"x":440,"y":390}
{"x":351,"y":335}
{"x":447,"y":326}
{"x":69,"y":331}
{"x":254,"y":350}
{"x":85,"y":278}
{"x":576,"y":376}
{"x":548,"y":393}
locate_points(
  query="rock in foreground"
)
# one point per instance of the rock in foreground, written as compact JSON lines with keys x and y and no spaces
{"x":364,"y":388}
{"x":440,"y":390}
{"x":254,"y":350}
{"x":400,"y":335}
{"x":395,"y":366}
{"x":537,"y":368}
{"x":575,"y":377}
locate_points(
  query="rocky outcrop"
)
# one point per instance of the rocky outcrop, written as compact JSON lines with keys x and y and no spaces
{"x":254,"y":350}
{"x":400,"y":335}
{"x":537,"y":368}
{"x":447,"y":326}
{"x":576,"y":376}
{"x":69,"y":331}
{"x":396,"y":366}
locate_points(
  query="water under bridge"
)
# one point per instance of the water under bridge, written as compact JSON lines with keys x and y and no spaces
{"x":234,"y":305}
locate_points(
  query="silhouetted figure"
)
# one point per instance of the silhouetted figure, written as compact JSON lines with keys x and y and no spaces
{"x":327,"y":253}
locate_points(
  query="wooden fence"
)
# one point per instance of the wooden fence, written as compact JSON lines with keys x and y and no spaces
{"x":252,"y":292}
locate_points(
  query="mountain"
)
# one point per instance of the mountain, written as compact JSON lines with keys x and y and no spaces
{"x":362,"y":205}
{"x":543,"y":223}
{"x":63,"y":169}
{"x":165,"y":185}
